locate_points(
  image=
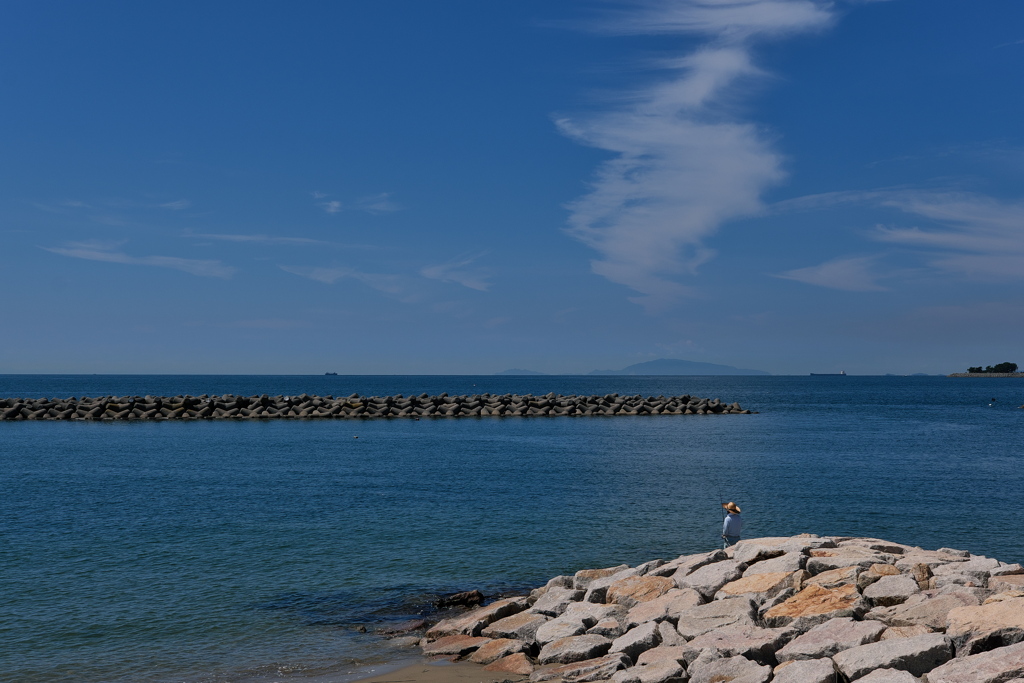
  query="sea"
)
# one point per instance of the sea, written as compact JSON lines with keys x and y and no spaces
{"x":258,"y":551}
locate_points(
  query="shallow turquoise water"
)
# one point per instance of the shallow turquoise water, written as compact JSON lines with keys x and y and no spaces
{"x":233,"y":551}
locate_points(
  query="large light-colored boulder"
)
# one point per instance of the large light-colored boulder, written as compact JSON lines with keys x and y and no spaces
{"x":834,"y":578}
{"x":597,"y":669}
{"x":927,"y":609}
{"x":609,"y":628}
{"x":472,"y":623}
{"x":574,"y":649}
{"x":555,"y":600}
{"x":983,"y":627}
{"x":662,"y":672}
{"x":687,"y":563}
{"x":814,"y":605}
{"x":878,"y":545}
{"x":669,"y":634}
{"x":591,"y":613}
{"x":703,"y":618}
{"x":824,"y":560}
{"x":749,"y":553}
{"x":889,"y":676}
{"x":454,"y":645}
{"x":874,"y":573}
{"x":709,"y":578}
{"x":522,"y":626}
{"x":634,"y":590}
{"x":1012,"y":582}
{"x":996,"y":666}
{"x":830,"y":638}
{"x":904,"y":632}
{"x":714,"y":669}
{"x":584,"y":577}
{"x":752,"y":642}
{"x":977,"y":569}
{"x":597,"y":591}
{"x":560,"y":627}
{"x":806,"y":671}
{"x":498,"y":648}
{"x":916,"y":655}
{"x":636,"y":641}
{"x":517,"y":663}
{"x":891,"y":590}
{"x":668,"y":606}
{"x":929,"y":558}
{"x":758,"y":587}
{"x":675,"y":653}
{"x":789,"y":562}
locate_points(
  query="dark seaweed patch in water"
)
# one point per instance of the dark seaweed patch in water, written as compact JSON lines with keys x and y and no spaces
{"x":380,"y":607}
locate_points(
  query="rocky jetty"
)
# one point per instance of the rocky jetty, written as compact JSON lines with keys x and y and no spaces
{"x":229,"y":406}
{"x":802,"y":609}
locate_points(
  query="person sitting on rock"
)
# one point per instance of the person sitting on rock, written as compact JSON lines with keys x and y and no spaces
{"x":732,"y":526}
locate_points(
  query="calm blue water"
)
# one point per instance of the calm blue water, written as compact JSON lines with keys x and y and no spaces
{"x":238,"y":551}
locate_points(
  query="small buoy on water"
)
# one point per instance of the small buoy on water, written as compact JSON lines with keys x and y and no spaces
{"x":355,"y":437}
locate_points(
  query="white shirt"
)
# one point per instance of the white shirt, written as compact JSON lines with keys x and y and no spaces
{"x":733,"y":525}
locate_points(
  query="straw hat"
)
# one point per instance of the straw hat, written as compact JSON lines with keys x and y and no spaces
{"x":731,"y":507}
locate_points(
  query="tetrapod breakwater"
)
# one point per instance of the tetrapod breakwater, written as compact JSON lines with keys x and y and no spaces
{"x":355,"y":406}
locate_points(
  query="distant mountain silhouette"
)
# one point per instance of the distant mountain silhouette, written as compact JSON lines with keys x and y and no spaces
{"x":519,"y":371}
{"x":673,"y":366}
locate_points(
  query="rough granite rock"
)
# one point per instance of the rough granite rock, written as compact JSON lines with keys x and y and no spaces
{"x":555,"y":600}
{"x":637,"y":640}
{"x":709,"y":578}
{"x":597,"y":591}
{"x":516,"y":663}
{"x":668,"y":606}
{"x":917,"y":655}
{"x":584,"y":577}
{"x":889,"y":676}
{"x":814,"y":605}
{"x":806,"y":671}
{"x":663,"y":653}
{"x":496,"y":649}
{"x":635,"y":590}
{"x":984,"y":627}
{"x":928,"y":609}
{"x":891,"y":590}
{"x":472,"y":623}
{"x":978,"y":569}
{"x":703,"y":618}
{"x":830,"y":638}
{"x":749,"y":553}
{"x":824,"y":560}
{"x":733,"y":669}
{"x":454,"y":645}
{"x":904,"y":632}
{"x":1007,"y":583}
{"x":834,"y":578}
{"x":669,"y":634}
{"x":752,"y":642}
{"x":609,"y":628}
{"x":789,"y":562}
{"x":877,"y":544}
{"x":561,"y":627}
{"x":683,"y":565}
{"x":591,"y":612}
{"x":662,"y":672}
{"x":522,"y":626}
{"x":1008,"y":570}
{"x":929,"y":558}
{"x":875,"y":572}
{"x":597,"y":669}
{"x":758,"y":587}
{"x":574,"y":649}
{"x":995,"y":666}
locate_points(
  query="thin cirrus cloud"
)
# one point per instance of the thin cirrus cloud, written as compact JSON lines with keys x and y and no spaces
{"x":971,"y":235}
{"x":388,"y":284}
{"x":379,"y":203}
{"x":682,"y":166}
{"x":459,"y":271}
{"x":260,"y":239}
{"x":848,"y":274}
{"x":93,"y":251}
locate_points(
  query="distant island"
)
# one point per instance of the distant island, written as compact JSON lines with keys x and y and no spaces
{"x":999,"y":370}
{"x":674,"y":366}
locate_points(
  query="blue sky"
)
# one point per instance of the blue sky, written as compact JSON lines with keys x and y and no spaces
{"x":463,"y":187}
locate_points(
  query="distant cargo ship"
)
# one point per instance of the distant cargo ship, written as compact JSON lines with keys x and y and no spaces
{"x":829,"y":374}
{"x":330,"y":373}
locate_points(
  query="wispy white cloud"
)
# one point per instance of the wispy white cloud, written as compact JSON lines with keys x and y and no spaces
{"x":176,"y":206}
{"x":459,"y":272}
{"x":849,"y":274}
{"x":682,"y":167}
{"x":973,"y":235}
{"x":94,"y":251}
{"x":332,"y":206}
{"x":378,"y":203}
{"x":259,"y":239}
{"x":389,"y":284}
